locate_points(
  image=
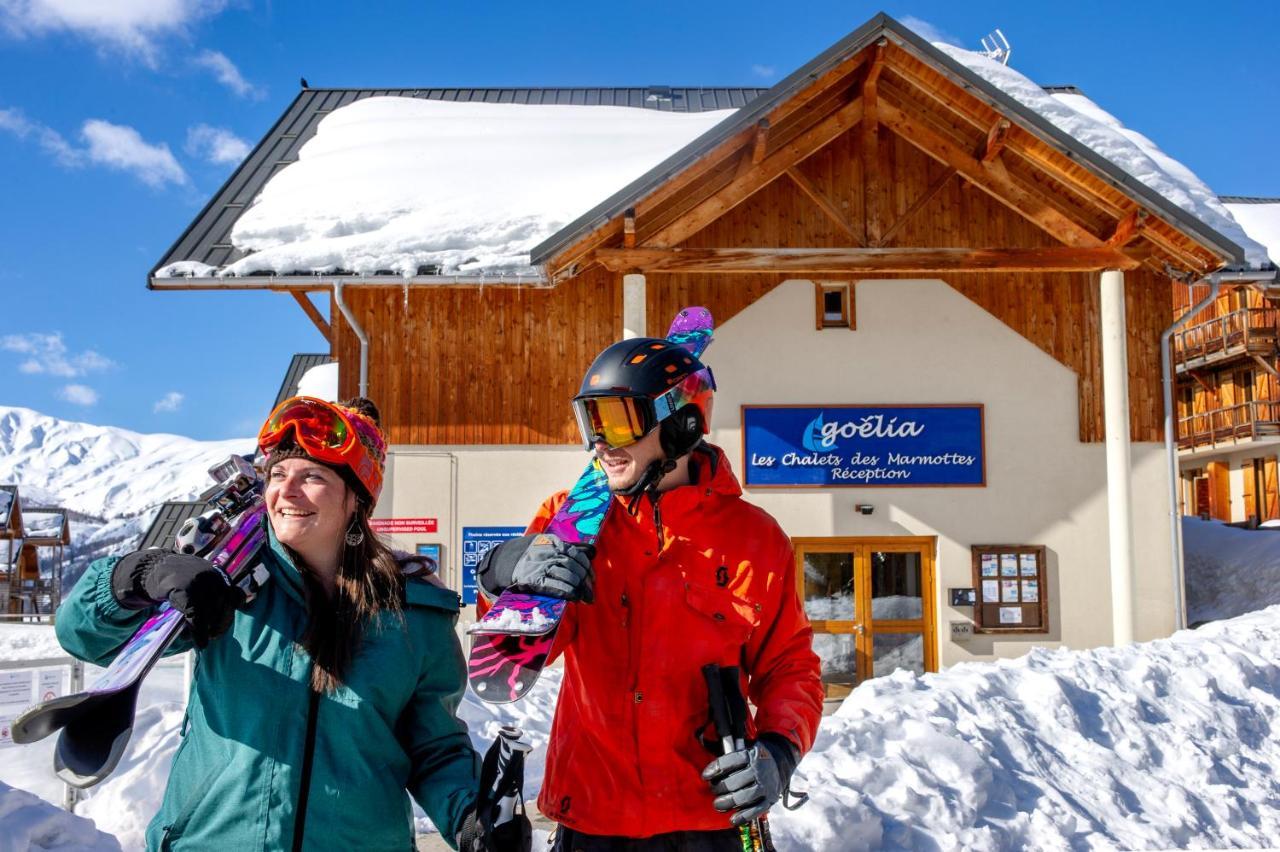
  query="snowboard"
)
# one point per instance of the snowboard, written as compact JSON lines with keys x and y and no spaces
{"x":96,"y":724}
{"x":510,"y":644}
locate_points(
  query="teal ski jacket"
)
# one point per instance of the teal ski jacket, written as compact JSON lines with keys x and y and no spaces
{"x":237,"y":776}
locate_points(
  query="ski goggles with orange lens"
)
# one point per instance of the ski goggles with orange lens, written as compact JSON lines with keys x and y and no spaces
{"x":329,"y":433}
{"x":619,"y":421}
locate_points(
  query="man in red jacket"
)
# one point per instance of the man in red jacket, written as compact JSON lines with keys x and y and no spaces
{"x":686,"y":573}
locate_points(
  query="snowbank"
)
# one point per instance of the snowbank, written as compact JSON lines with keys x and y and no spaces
{"x":1161,"y":745}
{"x":29,"y":822}
{"x":1229,"y":571}
{"x":391,"y":183}
{"x":1261,"y":221}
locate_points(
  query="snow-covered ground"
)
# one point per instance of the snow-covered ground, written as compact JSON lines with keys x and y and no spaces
{"x":1167,"y":744}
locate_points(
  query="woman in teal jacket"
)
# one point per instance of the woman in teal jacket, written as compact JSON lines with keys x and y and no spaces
{"x":319,"y":703}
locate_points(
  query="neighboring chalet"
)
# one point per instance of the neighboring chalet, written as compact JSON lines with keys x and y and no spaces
{"x":32,"y":546}
{"x":1227,"y":359}
{"x":939,"y":313}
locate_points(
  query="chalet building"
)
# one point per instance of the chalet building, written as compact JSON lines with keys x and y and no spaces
{"x":939,"y":314}
{"x":1227,"y":359}
{"x":32,"y":544}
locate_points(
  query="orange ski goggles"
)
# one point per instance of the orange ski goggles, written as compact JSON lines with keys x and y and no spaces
{"x":330,"y":433}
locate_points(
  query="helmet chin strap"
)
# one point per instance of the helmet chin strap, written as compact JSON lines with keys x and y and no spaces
{"x":648,"y":481}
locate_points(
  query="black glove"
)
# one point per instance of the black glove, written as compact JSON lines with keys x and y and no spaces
{"x":191,"y":585}
{"x":539,"y":564}
{"x":515,"y":835}
{"x":749,"y":781}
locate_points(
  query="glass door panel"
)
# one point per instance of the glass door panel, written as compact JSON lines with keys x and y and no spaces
{"x":893,"y":651}
{"x":897,"y":592}
{"x":830,"y":602}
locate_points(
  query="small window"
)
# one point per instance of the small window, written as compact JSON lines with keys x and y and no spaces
{"x":834,"y":305}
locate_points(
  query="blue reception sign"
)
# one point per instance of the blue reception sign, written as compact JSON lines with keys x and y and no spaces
{"x":476,"y":542}
{"x":834,"y":446}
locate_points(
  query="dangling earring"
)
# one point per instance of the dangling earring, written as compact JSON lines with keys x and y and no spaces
{"x":355,"y":535}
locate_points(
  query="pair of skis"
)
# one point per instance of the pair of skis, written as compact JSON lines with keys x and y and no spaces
{"x":96,"y":724}
{"x":511,"y":642}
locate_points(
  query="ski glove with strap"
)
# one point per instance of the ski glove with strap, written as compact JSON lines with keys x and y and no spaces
{"x":539,"y":564}
{"x":191,"y":585}
{"x":747,"y":782}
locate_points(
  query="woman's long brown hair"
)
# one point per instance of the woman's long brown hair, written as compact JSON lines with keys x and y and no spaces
{"x":369,"y":583}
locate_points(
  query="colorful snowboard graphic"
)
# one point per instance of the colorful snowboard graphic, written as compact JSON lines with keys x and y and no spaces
{"x":511,"y":642}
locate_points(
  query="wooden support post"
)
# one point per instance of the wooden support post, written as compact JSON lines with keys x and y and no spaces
{"x":629,"y":228}
{"x":995,"y":140}
{"x":819,"y":198}
{"x":872,"y":217}
{"x":316,"y":317}
{"x":761,"y":142}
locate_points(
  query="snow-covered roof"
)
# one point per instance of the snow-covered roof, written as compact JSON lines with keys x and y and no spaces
{"x":402,"y":185}
{"x":320,"y":382}
{"x":1260,"y":218}
{"x":406,"y":185}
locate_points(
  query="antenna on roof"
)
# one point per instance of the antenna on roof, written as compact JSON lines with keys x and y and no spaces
{"x":997,"y":47}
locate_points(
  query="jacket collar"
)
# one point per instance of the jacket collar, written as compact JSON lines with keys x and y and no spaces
{"x":709,"y":469}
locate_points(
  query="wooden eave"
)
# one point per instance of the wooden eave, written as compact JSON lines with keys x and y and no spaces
{"x":896,"y":83}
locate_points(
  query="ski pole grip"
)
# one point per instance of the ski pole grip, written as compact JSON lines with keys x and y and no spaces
{"x":715,"y":695}
{"x":735,"y":702}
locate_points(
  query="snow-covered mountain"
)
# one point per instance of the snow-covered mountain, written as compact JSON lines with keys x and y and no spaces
{"x":112,"y":480}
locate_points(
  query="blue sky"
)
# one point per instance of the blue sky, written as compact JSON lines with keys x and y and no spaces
{"x":118,"y":122}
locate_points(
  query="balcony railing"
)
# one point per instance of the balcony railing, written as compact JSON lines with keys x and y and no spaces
{"x":1244,"y":422}
{"x":1248,"y":331}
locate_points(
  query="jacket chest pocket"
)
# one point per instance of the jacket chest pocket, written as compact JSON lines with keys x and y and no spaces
{"x":713,"y":624}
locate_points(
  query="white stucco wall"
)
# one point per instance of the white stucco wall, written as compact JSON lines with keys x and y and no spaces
{"x":923,"y":342}
{"x":916,"y":342}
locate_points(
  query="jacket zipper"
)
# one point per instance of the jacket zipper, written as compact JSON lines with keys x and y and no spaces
{"x":308,"y":755}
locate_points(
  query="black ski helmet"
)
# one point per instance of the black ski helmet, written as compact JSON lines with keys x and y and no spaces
{"x":655,"y":383}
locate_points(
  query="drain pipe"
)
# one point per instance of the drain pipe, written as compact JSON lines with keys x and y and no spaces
{"x":1170,"y":434}
{"x":364,"y":339}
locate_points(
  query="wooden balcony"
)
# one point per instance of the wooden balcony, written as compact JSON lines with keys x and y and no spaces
{"x":1235,"y":424}
{"x":1245,"y":333}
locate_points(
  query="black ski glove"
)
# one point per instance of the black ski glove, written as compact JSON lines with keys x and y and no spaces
{"x":515,"y":835}
{"x":194,"y":587}
{"x":541,"y":564}
{"x":749,"y":781}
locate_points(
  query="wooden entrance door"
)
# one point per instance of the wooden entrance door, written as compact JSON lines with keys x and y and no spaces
{"x":871,"y":602}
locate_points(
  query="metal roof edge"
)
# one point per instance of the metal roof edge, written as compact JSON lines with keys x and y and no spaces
{"x":884,"y":25}
{"x":199,"y":217}
{"x":1247,"y":199}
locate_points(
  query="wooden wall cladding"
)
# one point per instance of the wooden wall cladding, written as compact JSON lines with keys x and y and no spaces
{"x":467,"y":365}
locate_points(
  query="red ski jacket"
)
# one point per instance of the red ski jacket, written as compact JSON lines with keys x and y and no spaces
{"x":701,"y":577}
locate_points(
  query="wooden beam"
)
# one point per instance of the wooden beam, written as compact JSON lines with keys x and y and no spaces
{"x":872,"y":216}
{"x":744,"y":186}
{"x":838,"y":261}
{"x":629,"y":228}
{"x":925,"y":197}
{"x":1127,"y":229}
{"x":761,"y":141}
{"x":816,"y":195}
{"x":995,"y":140}
{"x":991,"y":178}
{"x":1262,"y":362}
{"x":311,"y":311}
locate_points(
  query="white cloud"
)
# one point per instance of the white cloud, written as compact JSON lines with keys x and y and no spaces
{"x":115,"y":146}
{"x":47,"y":354}
{"x":216,"y":144}
{"x":79,"y":394}
{"x":765,"y":71}
{"x":172,"y":402}
{"x":13,"y":121}
{"x":134,"y":27}
{"x":928,"y":31}
{"x":121,"y":147}
{"x":228,"y":74}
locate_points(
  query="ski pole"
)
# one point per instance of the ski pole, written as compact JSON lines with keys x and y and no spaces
{"x":736,"y":703}
{"x":720,"y":717}
{"x":508,"y":790}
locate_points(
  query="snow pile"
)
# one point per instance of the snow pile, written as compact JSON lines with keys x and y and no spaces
{"x":1229,"y":571}
{"x":1095,"y":128}
{"x":29,"y":642}
{"x":397,"y":184}
{"x":32,"y":823}
{"x":321,"y":382}
{"x":1261,"y":221}
{"x":1159,"y":745}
